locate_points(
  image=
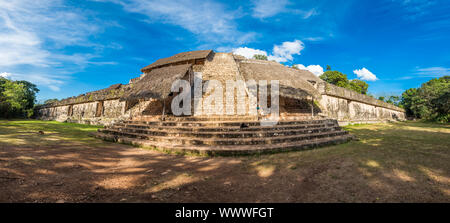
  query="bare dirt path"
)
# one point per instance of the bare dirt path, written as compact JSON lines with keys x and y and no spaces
{"x":56,"y":168}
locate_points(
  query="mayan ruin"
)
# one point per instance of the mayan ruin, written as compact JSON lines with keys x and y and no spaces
{"x":139,"y":113}
{"x":224,"y":111}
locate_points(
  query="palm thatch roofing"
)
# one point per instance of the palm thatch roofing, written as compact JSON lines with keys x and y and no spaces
{"x":157,"y":83}
{"x":185,"y":56}
{"x":293,"y":83}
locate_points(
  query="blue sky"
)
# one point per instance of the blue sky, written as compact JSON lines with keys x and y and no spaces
{"x":69,"y":47}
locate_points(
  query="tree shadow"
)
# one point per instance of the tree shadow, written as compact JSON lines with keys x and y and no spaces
{"x":387,"y":165}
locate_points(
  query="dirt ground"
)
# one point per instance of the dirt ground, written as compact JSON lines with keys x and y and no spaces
{"x":404,"y":162}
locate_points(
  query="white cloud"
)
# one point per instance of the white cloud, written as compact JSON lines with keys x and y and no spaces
{"x":207,"y":19}
{"x":365,"y":75}
{"x":415,"y":8}
{"x":30,"y":28}
{"x":429,"y":72}
{"x":313,"y":39}
{"x":433,"y":71}
{"x":284,"y":52}
{"x":35,"y":33}
{"x":5,"y":75}
{"x":308,"y":13}
{"x":315,"y":69}
{"x":51,"y":81}
{"x":248,"y":52}
{"x":268,"y":8}
{"x":280,"y":53}
{"x":54,"y":87}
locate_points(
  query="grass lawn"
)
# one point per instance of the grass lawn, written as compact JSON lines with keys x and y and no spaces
{"x":394,"y":162}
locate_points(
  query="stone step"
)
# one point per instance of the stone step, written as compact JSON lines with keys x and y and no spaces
{"x":229,"y":150}
{"x":220,"y":134}
{"x":299,"y":116}
{"x":197,"y":118}
{"x":226,"y":123}
{"x":228,"y":141}
{"x":220,"y":129}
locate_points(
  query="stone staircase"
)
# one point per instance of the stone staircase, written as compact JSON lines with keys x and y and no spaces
{"x":225,"y":135}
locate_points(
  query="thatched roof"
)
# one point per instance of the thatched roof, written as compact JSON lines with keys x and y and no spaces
{"x":293,"y":83}
{"x":157,"y":83}
{"x":185,"y":56}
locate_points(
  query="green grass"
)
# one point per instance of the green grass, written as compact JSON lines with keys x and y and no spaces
{"x":382,"y":143}
{"x":390,"y":162}
{"x":20,"y":132}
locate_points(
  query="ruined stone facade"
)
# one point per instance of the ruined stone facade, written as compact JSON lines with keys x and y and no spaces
{"x":350,"y":107}
{"x":105,"y":107}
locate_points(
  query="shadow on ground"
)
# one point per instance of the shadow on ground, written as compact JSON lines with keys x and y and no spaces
{"x":403,"y":162}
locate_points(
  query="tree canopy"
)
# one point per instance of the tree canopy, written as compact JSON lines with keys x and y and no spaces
{"x":431,"y":101}
{"x":335,"y":77}
{"x":358,"y":86}
{"x":17,"y":98}
{"x":340,"y":79}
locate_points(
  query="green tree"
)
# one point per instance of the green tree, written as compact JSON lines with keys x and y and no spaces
{"x":30,"y":91}
{"x":408,"y":100}
{"x":259,"y":57}
{"x":430,"y":102}
{"x":381,"y":98}
{"x":335,"y":77}
{"x":395,"y":100}
{"x":17,"y":98}
{"x":358,"y":86}
{"x":328,"y":67}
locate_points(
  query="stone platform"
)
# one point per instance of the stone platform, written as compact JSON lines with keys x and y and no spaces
{"x":225,"y":135}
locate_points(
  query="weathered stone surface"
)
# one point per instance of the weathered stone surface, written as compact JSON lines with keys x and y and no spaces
{"x":345,"y":109}
{"x":104,"y":107}
{"x":225,"y":137}
{"x":113,"y":111}
{"x":339,"y":92}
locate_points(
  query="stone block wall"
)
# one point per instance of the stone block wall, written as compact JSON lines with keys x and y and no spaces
{"x":338,"y":103}
{"x":85,"y":113}
{"x":350,"y":107}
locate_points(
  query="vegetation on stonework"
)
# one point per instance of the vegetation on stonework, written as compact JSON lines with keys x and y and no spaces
{"x":260,"y":57}
{"x":340,"y":79}
{"x":17,"y":98}
{"x":51,"y":101}
{"x":393,"y":99}
{"x":358,"y":86}
{"x":335,"y":77}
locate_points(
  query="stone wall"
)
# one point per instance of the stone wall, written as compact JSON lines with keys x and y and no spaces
{"x":104,"y":107}
{"x":350,"y":107}
{"x":86,"y":113}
